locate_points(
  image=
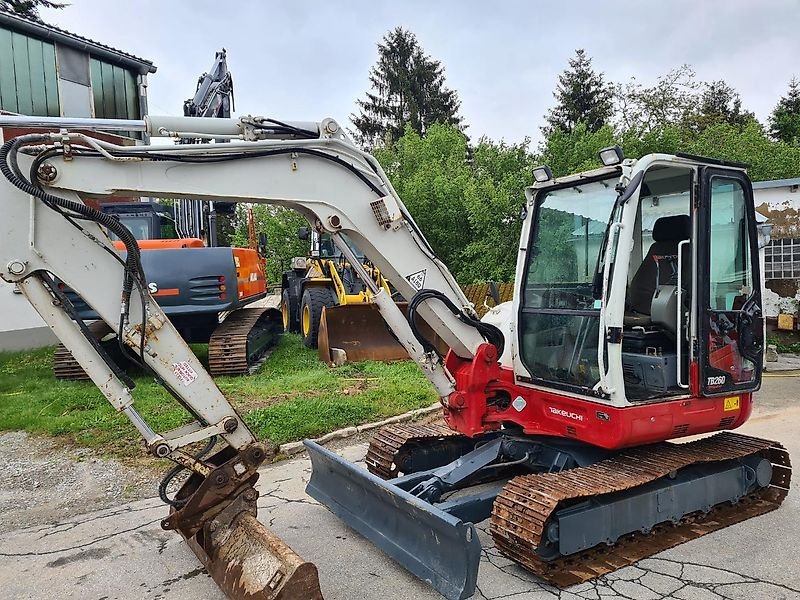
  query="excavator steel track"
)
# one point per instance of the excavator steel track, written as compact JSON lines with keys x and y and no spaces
{"x":524,"y":506}
{"x":388,"y":442}
{"x":228,"y":352}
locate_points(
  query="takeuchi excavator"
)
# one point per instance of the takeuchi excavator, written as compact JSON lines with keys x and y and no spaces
{"x":636,"y":320}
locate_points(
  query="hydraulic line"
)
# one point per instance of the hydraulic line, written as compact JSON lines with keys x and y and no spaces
{"x":490,"y":333}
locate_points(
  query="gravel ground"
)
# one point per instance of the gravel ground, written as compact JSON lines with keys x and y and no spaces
{"x":42,"y":481}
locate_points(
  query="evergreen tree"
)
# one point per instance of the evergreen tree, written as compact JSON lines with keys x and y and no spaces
{"x":719,"y":103}
{"x":582,"y":96}
{"x":29,"y":8}
{"x":408,"y":88}
{"x":784,"y":122}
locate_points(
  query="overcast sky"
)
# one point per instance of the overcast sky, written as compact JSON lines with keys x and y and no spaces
{"x":306,"y":60}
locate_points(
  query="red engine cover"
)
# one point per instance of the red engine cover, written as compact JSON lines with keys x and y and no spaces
{"x":546,"y":412}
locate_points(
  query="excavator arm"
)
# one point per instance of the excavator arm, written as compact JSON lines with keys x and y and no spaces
{"x":51,"y":237}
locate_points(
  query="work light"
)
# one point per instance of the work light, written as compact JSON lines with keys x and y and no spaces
{"x":542,"y":174}
{"x":611,"y":156}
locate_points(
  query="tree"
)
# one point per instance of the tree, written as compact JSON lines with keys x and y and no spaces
{"x":567,"y":152}
{"x":784,"y":122}
{"x":719,"y":103}
{"x":641,"y":110}
{"x":281,"y":225}
{"x":582,"y":96}
{"x":29,"y":8}
{"x":494,"y":199}
{"x":408,"y":89}
{"x":430,"y":175}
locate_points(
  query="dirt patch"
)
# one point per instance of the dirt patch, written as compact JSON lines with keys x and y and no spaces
{"x":41,"y":481}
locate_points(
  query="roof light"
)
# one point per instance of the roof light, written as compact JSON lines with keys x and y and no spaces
{"x":612,"y":155}
{"x":542,"y":174}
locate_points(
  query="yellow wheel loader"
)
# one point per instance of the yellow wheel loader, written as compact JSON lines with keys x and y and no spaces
{"x":323,"y":299}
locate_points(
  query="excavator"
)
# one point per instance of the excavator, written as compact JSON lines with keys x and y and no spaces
{"x":207,"y":292}
{"x":636,"y":321}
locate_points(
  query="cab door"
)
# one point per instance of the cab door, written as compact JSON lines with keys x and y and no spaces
{"x":730,"y":320}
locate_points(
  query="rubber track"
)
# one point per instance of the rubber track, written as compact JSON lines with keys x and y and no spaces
{"x":384,"y":445}
{"x":227,"y":348}
{"x":525,"y":504}
{"x":64,"y":364}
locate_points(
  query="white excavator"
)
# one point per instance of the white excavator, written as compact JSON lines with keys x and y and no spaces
{"x":636,"y":320}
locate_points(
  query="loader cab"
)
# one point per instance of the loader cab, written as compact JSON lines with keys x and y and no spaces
{"x":640,"y":283}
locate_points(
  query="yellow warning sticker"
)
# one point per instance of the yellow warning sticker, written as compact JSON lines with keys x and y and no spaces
{"x":732,"y":403}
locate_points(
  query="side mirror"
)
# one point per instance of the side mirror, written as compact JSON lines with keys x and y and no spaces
{"x":303,"y":233}
{"x":494,"y":292}
{"x":262,"y":243}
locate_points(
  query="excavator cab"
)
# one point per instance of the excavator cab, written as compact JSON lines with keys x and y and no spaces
{"x":663,"y":267}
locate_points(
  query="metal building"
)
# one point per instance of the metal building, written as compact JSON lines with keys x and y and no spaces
{"x":47,"y":71}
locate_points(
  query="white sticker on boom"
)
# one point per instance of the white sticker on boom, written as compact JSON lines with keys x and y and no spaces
{"x":417,"y":280}
{"x":184,"y":372}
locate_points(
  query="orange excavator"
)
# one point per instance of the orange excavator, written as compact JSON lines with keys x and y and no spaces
{"x":207,"y":292}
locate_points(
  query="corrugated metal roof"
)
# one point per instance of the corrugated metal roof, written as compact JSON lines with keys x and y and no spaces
{"x":775,"y":183}
{"x":53,"y":33}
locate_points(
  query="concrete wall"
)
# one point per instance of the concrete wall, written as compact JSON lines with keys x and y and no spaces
{"x":21,"y":327}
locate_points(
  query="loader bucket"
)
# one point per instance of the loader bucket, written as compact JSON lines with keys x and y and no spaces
{"x":439,"y":548}
{"x":249,"y":562}
{"x":360,"y":331}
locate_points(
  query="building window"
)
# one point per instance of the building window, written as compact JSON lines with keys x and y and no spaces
{"x":28,"y":75}
{"x":782,"y":259}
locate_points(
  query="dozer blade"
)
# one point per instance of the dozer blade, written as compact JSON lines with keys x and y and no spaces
{"x":360,"y":331}
{"x":435,"y":546}
{"x":217,"y":516}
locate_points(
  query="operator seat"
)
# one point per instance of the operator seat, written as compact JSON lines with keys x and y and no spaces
{"x":667,"y":233}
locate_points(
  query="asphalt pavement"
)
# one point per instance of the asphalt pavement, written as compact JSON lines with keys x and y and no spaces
{"x":122,"y":553}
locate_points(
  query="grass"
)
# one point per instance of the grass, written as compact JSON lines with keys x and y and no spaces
{"x":291,"y":397}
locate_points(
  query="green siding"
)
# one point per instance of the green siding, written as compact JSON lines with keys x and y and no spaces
{"x":131,"y":95}
{"x":28,"y":77}
{"x":8,"y":94}
{"x":50,"y":80}
{"x":114,"y":91}
{"x":97,"y":86}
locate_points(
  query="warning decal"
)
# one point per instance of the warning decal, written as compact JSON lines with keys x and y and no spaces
{"x":417,"y":280}
{"x":732,"y":403}
{"x":184,"y":372}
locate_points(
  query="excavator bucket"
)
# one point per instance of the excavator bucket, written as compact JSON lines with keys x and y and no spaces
{"x":249,"y":562}
{"x":217,"y":516}
{"x":361,"y":333}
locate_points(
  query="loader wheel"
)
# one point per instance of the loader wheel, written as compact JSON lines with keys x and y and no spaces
{"x":314,"y":299}
{"x":289,"y":313}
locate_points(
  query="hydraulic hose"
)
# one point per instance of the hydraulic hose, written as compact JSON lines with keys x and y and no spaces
{"x":490,"y":333}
